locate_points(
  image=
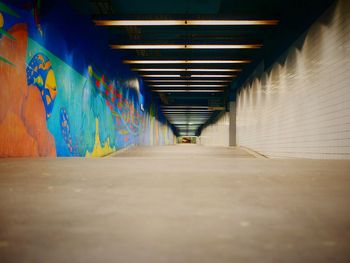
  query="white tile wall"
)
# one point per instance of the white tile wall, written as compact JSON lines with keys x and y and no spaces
{"x":301,"y":106}
{"x":217,"y":134}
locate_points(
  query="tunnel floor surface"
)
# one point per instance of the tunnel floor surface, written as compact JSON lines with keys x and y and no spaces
{"x":183,"y":203}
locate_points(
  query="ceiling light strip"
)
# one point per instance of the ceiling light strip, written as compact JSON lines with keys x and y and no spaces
{"x":189,"y":123}
{"x":188,"y":119}
{"x":185,"y":46}
{"x":188,"y":85}
{"x":269,"y":22}
{"x":183,"y":106}
{"x":190,"y":80}
{"x":189,"y":91}
{"x":186,"y":61}
{"x":186,"y":70}
{"x":192,"y":76}
{"x":183,"y":117}
{"x":187,"y":110}
{"x":212,"y":76}
{"x":161,"y":76}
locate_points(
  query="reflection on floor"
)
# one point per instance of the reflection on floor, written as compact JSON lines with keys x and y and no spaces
{"x":183,"y":203}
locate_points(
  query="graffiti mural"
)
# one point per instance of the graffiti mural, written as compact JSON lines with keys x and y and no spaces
{"x":40,"y":74}
{"x":49,"y":108}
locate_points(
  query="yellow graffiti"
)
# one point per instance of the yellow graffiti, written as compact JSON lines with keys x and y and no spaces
{"x":100,"y":150}
{"x":123,"y":132}
{"x":1,"y":20}
{"x":90,"y":71}
{"x":50,"y":84}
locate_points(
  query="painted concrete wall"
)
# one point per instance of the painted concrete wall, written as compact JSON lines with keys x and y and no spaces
{"x":217,"y":134}
{"x":56,"y":102}
{"x":301,"y":106}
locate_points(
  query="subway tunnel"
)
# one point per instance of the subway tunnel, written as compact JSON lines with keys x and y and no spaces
{"x":174,"y":131}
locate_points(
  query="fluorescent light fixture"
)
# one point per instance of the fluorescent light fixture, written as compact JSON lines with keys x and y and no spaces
{"x":147,"y":46}
{"x":232,"y":22}
{"x":189,"y":80}
{"x":200,"y":116}
{"x":184,"y":116}
{"x":186,"y":22}
{"x":186,"y":69}
{"x":187,"y":127}
{"x":187,"y":123}
{"x":139,"y":22}
{"x":189,"y":113}
{"x":188,"y":85}
{"x":186,"y":110}
{"x":177,"y":115}
{"x":187,"y":117}
{"x":203,"y":121}
{"x":214,"y":70}
{"x":161,"y":76}
{"x":182,"y":109}
{"x":191,"y":117}
{"x":212,"y":76}
{"x":158,"y":69}
{"x":185,"y":46}
{"x":185,"y":61}
{"x":184,"y":106}
{"x":193,"y":76}
{"x":189,"y":90}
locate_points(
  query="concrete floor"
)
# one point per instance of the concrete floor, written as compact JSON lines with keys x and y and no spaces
{"x":179,"y":203}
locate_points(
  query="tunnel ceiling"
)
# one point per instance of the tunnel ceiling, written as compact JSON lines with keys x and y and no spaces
{"x":195,"y":82}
